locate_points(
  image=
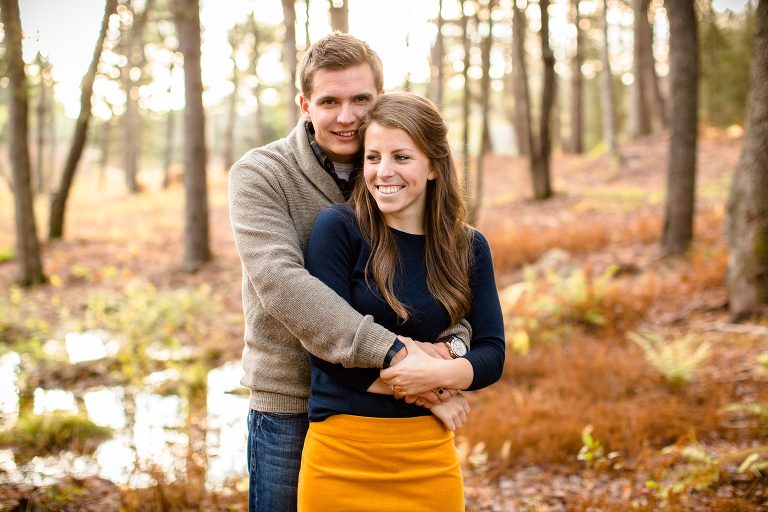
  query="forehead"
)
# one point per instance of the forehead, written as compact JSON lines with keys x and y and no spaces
{"x":385,"y":138}
{"x":344,"y":82}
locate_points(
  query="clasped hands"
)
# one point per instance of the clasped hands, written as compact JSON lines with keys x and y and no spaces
{"x":414,"y":375}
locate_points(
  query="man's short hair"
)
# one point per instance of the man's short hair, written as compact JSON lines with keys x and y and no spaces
{"x":338,"y":51}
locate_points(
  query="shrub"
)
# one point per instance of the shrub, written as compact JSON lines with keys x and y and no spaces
{"x":677,"y":359}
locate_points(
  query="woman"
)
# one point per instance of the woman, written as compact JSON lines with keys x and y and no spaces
{"x":400,"y":251}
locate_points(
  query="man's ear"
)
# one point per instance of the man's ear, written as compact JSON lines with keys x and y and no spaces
{"x":304,"y":104}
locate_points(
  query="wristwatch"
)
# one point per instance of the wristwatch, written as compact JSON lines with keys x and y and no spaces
{"x":456,"y":346}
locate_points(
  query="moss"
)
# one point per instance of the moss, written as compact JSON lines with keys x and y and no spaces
{"x":49,"y":434}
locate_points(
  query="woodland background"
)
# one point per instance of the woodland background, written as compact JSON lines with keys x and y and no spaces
{"x":614,"y":152}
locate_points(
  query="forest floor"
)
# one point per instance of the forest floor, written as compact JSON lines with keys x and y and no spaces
{"x":626,"y":384}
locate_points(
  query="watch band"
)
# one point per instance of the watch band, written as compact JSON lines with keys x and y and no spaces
{"x":396,"y":347}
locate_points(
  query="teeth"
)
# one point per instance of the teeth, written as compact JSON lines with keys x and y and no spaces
{"x":345,"y":134}
{"x":391,"y":189}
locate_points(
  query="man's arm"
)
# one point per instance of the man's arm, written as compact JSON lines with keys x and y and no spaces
{"x":270,"y":249}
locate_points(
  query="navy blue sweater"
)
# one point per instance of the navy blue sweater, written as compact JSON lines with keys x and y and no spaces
{"x":337,"y":255}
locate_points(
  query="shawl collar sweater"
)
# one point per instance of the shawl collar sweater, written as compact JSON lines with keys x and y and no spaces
{"x":275,"y":194}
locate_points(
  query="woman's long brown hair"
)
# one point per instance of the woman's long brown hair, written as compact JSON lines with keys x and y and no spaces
{"x":448,"y":238}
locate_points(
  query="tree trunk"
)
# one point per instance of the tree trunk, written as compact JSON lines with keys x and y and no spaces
{"x":259,"y":126}
{"x":606,"y":82}
{"x":639,"y":112}
{"x":339,"y":10}
{"x":58,"y":203}
{"x":747,"y":205}
{"x":652,"y":81}
{"x":228,"y":154}
{"x":170,"y":133}
{"x":540,"y":166}
{"x":577,"y":94}
{"x":307,"y":40}
{"x":196,"y":235}
{"x":522,"y":121}
{"x":132,"y":121}
{"x":437,"y":61}
{"x":106,"y":135}
{"x":289,"y":54}
{"x":485,"y":95}
{"x":465,"y":111}
{"x":681,"y":177}
{"x":30,"y":267}
{"x":43,"y":111}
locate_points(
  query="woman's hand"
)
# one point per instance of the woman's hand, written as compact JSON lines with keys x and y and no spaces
{"x":453,"y":414}
{"x":417,"y":373}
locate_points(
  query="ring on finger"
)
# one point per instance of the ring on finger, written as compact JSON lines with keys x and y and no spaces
{"x":439,"y":391}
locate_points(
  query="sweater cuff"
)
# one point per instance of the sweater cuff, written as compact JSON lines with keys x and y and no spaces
{"x":374,"y":343}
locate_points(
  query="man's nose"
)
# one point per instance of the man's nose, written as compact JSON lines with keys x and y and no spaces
{"x":346,"y":114}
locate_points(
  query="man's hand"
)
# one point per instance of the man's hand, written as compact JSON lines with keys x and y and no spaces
{"x":418,"y":372}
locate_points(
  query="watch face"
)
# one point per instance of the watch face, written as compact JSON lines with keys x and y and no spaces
{"x":458,"y":347}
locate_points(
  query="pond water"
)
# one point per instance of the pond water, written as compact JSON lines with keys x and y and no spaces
{"x":152,"y":431}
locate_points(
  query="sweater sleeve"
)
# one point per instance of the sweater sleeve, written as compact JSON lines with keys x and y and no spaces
{"x":270,"y":250}
{"x":331,"y":257}
{"x":488,"y":345}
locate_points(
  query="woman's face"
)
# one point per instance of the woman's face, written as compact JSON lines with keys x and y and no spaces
{"x":396,"y":175}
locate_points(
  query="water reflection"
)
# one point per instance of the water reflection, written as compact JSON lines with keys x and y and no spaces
{"x":153,"y":431}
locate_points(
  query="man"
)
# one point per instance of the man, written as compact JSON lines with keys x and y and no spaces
{"x":275,"y":193}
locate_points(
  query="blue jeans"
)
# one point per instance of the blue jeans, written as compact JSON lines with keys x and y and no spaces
{"x":275,"y":441}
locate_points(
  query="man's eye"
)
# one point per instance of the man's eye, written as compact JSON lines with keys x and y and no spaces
{"x":362,"y":99}
{"x":328,"y":102}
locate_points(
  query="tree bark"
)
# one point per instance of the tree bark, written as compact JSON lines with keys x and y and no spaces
{"x":170,"y":132}
{"x":465,"y":111}
{"x":639,"y":112}
{"x":540,"y":166}
{"x":59,"y":201}
{"x":30,"y":267}
{"x":606,"y":82}
{"x":289,"y":54}
{"x":43,"y":111}
{"x":436,"y":86}
{"x":747,"y":221}
{"x":339,"y":10}
{"x":681,"y":177}
{"x":652,"y":80}
{"x":577,"y":88}
{"x":485,"y":95}
{"x":134,"y":51}
{"x":196,"y":233}
{"x":259,"y":126}
{"x":522,"y":119}
{"x":307,"y":39}
{"x":229,"y":132}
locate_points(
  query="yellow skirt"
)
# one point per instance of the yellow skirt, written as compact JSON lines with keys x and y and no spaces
{"x":355,"y":463}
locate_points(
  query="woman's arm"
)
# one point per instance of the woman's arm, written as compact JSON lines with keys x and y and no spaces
{"x":483,"y":364}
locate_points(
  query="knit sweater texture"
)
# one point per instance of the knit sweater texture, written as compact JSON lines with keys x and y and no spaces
{"x":275,"y":194}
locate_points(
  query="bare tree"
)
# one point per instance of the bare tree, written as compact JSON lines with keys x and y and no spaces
{"x":437,"y":59}
{"x":228,"y":154}
{"x":30,"y":269}
{"x":486,"y":145}
{"x":747,"y":206}
{"x":466,"y":106}
{"x":339,"y":10}
{"x":577,"y":88}
{"x":43,"y":111}
{"x":259,"y":124}
{"x":522,"y":116}
{"x":289,"y":55}
{"x":196,"y":233}
{"x":606,"y":81}
{"x":681,"y":174}
{"x":540,"y":162}
{"x":134,"y":52}
{"x":170,"y":130}
{"x":58,"y":203}
{"x":652,"y":80}
{"x":639,"y":118}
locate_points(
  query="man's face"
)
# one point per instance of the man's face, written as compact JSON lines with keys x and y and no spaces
{"x":338,"y":100}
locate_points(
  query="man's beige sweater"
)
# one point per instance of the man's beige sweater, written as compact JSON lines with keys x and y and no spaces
{"x":275,"y":194}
